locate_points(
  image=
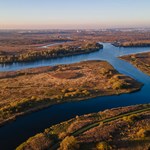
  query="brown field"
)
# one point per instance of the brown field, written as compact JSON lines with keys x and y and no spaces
{"x":125,"y":133}
{"x":24,"y":46}
{"x":32,"y":89}
{"x":141,"y":61}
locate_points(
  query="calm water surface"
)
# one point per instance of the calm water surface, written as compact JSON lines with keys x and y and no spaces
{"x":12,"y":134}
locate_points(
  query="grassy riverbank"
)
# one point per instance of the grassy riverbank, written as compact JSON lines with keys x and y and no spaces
{"x":119,"y":128}
{"x":33,"y":89}
{"x":140,"y":43}
{"x":60,"y":50}
{"x":141,"y":61}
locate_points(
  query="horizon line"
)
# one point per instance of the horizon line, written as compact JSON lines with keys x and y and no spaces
{"x":101,"y":28}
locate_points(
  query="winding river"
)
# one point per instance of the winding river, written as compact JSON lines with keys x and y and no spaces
{"x":14,"y":133}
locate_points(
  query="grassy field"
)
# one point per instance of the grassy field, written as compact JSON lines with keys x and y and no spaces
{"x":32,"y":89}
{"x":141,"y":61}
{"x":119,"y":128}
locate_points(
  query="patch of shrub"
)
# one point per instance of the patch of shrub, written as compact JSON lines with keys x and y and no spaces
{"x":69,"y":143}
{"x":117,"y":85}
{"x":62,"y":135}
{"x":131,"y":118}
{"x":142,"y":133}
{"x":103,"y":146}
{"x":38,"y":142}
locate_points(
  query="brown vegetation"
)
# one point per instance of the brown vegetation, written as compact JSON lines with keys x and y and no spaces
{"x":31,"y":89}
{"x":141,"y":61}
{"x":117,"y":134}
{"x":25,"y":45}
{"x":138,"y":43}
{"x":66,"y":49}
{"x":69,"y":143}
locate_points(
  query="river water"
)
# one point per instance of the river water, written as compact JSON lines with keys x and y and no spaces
{"x":14,"y":133}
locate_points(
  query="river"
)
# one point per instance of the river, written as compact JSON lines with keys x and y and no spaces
{"x":14,"y":133}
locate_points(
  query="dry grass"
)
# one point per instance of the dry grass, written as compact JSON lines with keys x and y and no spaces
{"x":27,"y":90}
{"x":118,"y":134}
{"x":141,"y":61}
{"x":139,"y":43}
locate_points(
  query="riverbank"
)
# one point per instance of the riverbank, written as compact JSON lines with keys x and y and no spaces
{"x":144,"y":43}
{"x":117,"y":128}
{"x":141,"y":61}
{"x":33,"y":89}
{"x":55,"y":51}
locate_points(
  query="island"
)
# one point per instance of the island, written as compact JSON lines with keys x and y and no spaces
{"x":140,"y":60}
{"x":32,"y":89}
{"x":29,"y":53}
{"x":118,"y":128}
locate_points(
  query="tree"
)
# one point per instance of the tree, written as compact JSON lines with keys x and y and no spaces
{"x":103,"y":146}
{"x":69,"y":143}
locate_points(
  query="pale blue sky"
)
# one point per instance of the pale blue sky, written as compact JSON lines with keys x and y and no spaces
{"x":74,"y":13}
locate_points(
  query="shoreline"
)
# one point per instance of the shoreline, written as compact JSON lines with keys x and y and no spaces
{"x":137,"y":60}
{"x":46,"y":106}
{"x":66,"y":128}
{"x":53,"y":52}
{"x":77,"y":74}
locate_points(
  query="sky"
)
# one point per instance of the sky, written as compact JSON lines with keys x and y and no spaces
{"x":74,"y":14}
